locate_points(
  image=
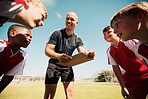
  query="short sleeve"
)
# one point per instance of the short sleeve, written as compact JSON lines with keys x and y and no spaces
{"x":3,"y":44}
{"x":10,"y":9}
{"x":131,"y":43}
{"x":18,"y":69}
{"x":79,"y":42}
{"x":111,"y":60}
{"x":53,"y":39}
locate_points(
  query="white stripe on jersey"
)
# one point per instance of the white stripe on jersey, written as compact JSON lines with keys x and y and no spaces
{"x":2,"y":45}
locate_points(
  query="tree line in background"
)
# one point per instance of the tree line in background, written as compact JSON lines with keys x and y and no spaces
{"x":107,"y":76}
{"x":104,"y":76}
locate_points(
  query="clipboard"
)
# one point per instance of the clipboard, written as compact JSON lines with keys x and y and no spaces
{"x":76,"y":59}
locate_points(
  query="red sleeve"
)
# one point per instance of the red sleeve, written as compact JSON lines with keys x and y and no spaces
{"x":24,"y":2}
{"x":143,"y":50}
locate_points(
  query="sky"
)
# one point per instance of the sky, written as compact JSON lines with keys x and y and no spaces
{"x":93,"y":15}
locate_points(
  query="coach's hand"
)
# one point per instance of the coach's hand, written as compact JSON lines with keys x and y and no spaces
{"x":65,"y":58}
{"x":90,"y":53}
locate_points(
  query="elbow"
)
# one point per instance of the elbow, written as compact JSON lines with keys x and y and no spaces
{"x":46,"y":52}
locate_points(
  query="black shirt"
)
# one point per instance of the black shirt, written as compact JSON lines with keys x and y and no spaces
{"x":64,"y":43}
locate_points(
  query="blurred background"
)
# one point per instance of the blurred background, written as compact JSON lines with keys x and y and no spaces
{"x":93,"y":15}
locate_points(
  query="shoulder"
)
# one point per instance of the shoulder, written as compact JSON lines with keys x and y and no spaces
{"x":110,"y":55}
{"x":131,"y":43}
{"x":3,"y":44}
{"x":136,"y":47}
{"x":108,"y":50}
{"x":24,"y":54}
{"x":56,"y":32}
{"x":77,"y":37}
{"x":9,"y":8}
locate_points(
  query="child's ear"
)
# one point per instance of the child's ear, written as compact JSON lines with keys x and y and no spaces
{"x":142,"y":15}
{"x":12,"y":33}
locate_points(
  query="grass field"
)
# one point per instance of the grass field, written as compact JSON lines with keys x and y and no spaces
{"x":83,"y":90}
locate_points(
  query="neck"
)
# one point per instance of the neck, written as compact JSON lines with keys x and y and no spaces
{"x":14,"y":48}
{"x":69,"y":32}
{"x":115,"y":42}
{"x":142,"y":35}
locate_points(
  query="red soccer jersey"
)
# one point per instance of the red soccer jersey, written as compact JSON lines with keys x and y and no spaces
{"x":10,"y":8}
{"x":123,"y":56}
{"x":141,"y":51}
{"x":8,"y":60}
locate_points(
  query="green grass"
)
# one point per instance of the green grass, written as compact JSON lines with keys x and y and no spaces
{"x":83,"y":90}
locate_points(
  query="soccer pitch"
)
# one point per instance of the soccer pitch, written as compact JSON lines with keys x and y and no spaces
{"x":83,"y":90}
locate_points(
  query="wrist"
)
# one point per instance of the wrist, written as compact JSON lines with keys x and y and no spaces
{"x":58,"y":56}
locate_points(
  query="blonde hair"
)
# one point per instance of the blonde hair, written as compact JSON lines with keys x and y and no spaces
{"x":39,"y":4}
{"x":131,"y":10}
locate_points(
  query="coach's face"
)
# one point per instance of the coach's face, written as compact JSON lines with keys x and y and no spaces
{"x":71,"y":20}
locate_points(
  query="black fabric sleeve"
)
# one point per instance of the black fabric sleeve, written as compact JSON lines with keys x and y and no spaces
{"x":79,"y":42}
{"x":53,"y":38}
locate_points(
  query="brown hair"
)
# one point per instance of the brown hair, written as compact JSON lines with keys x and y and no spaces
{"x":131,"y":10}
{"x":107,"y":28}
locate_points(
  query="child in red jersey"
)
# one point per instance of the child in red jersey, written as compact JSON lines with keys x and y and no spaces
{"x":131,"y":23}
{"x":134,"y":82}
{"x":30,"y":13}
{"x":12,"y":58}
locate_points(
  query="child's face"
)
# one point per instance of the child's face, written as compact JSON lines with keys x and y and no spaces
{"x":126,"y":27}
{"x":31,"y":17}
{"x":109,"y":35}
{"x":23,"y":38}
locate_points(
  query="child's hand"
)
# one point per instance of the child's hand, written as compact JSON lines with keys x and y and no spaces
{"x":126,"y":94}
{"x":24,"y":2}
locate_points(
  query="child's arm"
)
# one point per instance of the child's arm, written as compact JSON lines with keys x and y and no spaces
{"x":5,"y":82}
{"x":118,"y":74}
